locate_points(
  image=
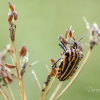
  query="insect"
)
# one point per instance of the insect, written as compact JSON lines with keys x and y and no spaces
{"x":69,"y":60}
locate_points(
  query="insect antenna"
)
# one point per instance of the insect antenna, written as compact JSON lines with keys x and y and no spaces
{"x":75,"y":43}
{"x":81,"y":38}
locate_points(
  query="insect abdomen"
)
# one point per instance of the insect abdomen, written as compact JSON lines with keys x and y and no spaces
{"x":70,"y":65}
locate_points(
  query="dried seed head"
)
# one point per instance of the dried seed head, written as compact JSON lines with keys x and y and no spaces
{"x":10,"y":66}
{"x":3,"y":74}
{"x":2,"y":56}
{"x":69,"y":33}
{"x":23,"y":69}
{"x":8,"y":49}
{"x":11,"y":6}
{"x":23,"y":51}
{"x":63,"y":40}
{"x":53,"y":61}
{"x":93,"y":29}
{"x":10,"y":17}
{"x":10,"y":79}
{"x":92,"y":43}
{"x":94,"y":33}
{"x":15,"y":15}
{"x":53,"y":72}
{"x":5,"y":80}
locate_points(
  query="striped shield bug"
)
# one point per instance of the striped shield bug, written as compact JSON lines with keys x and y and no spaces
{"x":69,"y":60}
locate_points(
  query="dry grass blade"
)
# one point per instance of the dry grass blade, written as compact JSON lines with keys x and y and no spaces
{"x":33,"y":63}
{"x":11,"y":93}
{"x":4,"y":92}
{"x":3,"y":95}
{"x":47,"y":67}
{"x":36,"y":79}
{"x":56,"y":90}
{"x":49,"y":87}
{"x":23,"y":90}
{"x":73,"y":79}
{"x":17,"y":70}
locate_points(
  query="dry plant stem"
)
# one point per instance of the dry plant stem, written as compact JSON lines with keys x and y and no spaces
{"x":4,"y":92}
{"x":73,"y":79}
{"x":47,"y":67}
{"x":36,"y":79}
{"x":56,"y":90}
{"x":12,"y":36}
{"x":25,"y":96}
{"x":17,"y":69}
{"x":49,"y":87}
{"x":11,"y":93}
{"x":23,"y":90}
{"x":3,"y":95}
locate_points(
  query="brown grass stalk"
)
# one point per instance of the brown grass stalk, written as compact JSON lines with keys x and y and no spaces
{"x":3,"y":95}
{"x":4,"y":92}
{"x":24,"y":95}
{"x":56,"y":90}
{"x":49,"y":87}
{"x":76,"y":75}
{"x":18,"y":73}
{"x":10,"y":91}
{"x":36,"y":79}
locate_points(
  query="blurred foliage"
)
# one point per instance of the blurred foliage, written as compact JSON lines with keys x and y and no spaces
{"x":39,"y":24}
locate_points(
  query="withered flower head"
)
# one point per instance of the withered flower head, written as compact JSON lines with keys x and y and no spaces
{"x":11,"y":6}
{"x":2,"y":56}
{"x":9,"y":65}
{"x":53,"y":72}
{"x":94,"y":32}
{"x":12,"y":15}
{"x":69,"y":33}
{"x":23,"y":69}
{"x":5,"y":76}
{"x":8,"y":48}
{"x":23,"y":51}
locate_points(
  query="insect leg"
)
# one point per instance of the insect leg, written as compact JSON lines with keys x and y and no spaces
{"x":50,"y":74}
{"x":56,"y":62}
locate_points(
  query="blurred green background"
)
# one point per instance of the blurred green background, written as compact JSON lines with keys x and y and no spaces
{"x":39,"y":24}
